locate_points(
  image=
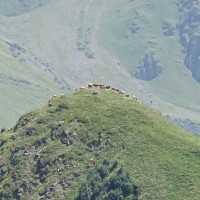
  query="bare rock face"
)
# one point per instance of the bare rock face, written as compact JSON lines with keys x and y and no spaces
{"x":168,"y":29}
{"x":189,"y":35}
{"x":192,"y":60}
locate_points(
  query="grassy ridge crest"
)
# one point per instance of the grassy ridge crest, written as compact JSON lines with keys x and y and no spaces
{"x":49,"y":152}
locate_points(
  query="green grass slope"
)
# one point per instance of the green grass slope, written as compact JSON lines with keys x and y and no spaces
{"x":49,"y":152}
{"x":133,"y":29}
{"x":141,"y":46}
{"x":23,"y":86}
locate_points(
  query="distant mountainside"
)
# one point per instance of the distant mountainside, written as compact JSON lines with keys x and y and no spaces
{"x":18,"y":7}
{"x":23,"y":86}
{"x":97,"y":144}
{"x":149,"y":48}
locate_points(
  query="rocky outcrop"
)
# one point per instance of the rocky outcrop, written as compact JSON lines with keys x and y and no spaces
{"x":187,"y":124}
{"x":149,"y":69}
{"x":188,"y":27}
{"x":192,"y":60}
{"x":168,"y":29}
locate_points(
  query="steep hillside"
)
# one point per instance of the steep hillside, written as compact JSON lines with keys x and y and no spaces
{"x":157,"y":42}
{"x":17,"y":7}
{"x":150,"y":48}
{"x":49,"y":152}
{"x":23,"y":85}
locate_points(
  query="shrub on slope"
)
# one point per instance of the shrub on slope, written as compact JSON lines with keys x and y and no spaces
{"x":108,"y":182}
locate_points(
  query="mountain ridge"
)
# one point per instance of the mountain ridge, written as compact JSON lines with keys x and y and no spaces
{"x":50,"y":151}
{"x":128,"y":44}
